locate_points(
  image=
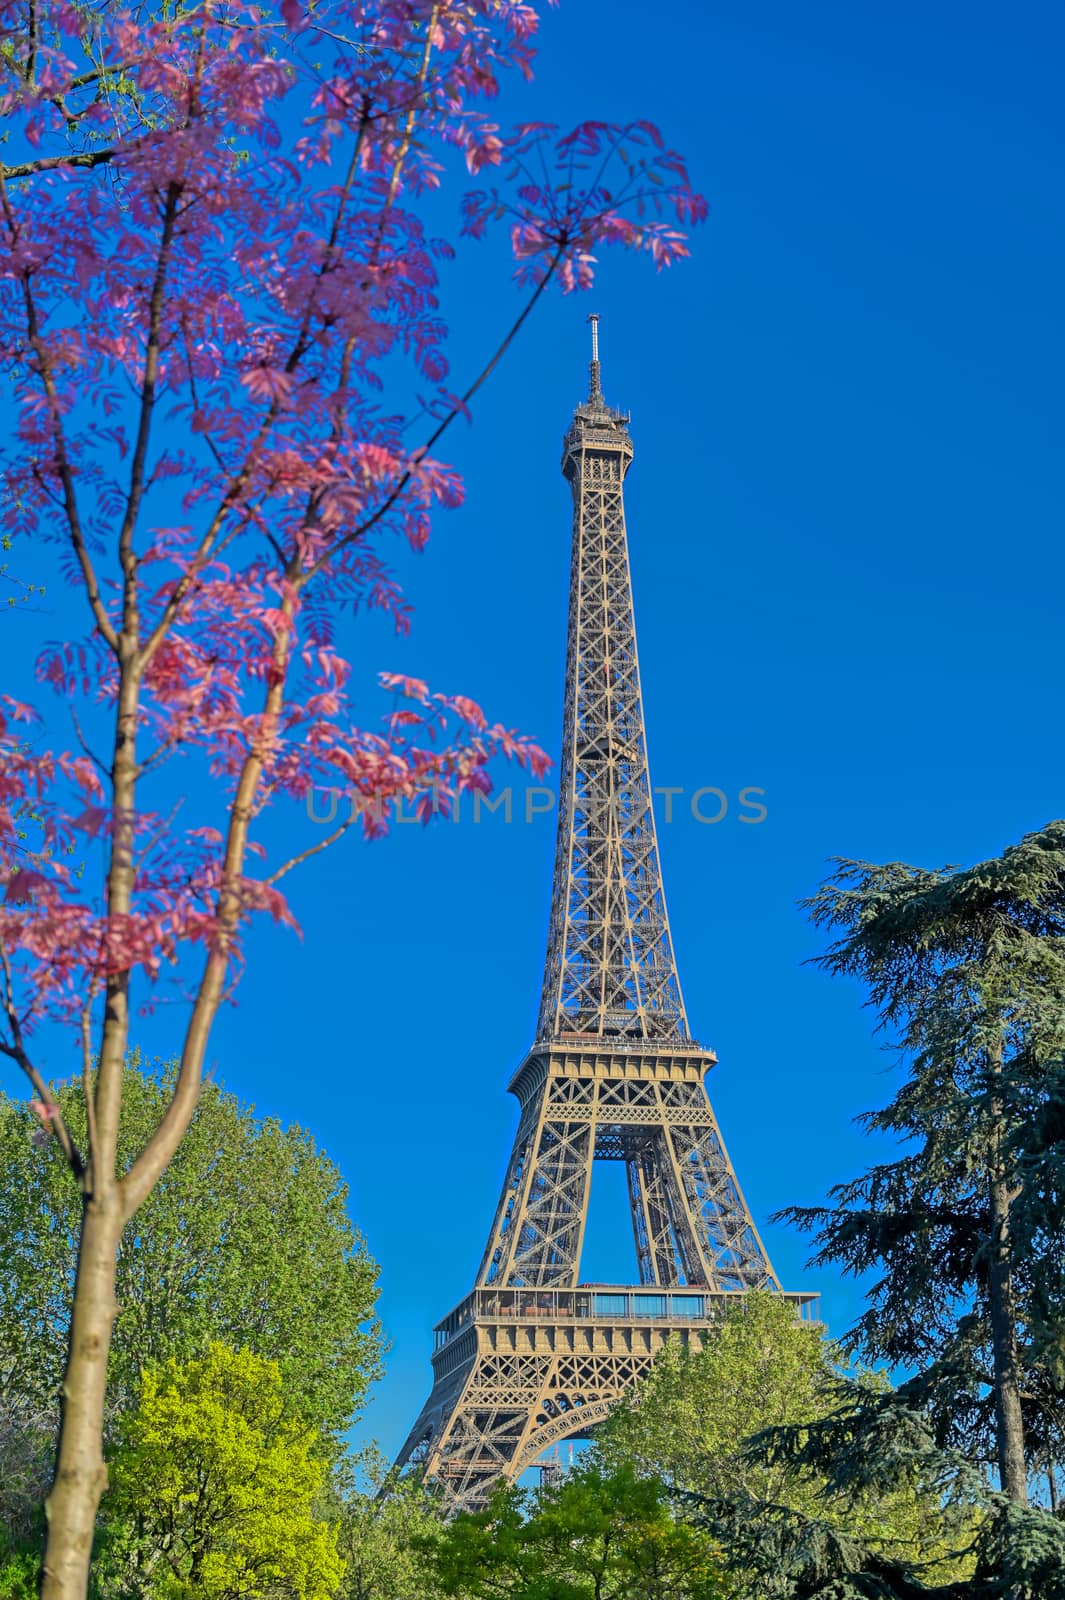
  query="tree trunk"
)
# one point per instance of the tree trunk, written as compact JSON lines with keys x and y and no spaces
{"x":1009,"y":1425}
{"x":81,"y":1476}
{"x":1009,"y":1422}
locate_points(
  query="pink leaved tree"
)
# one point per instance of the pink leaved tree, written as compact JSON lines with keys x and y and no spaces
{"x":214,"y":250}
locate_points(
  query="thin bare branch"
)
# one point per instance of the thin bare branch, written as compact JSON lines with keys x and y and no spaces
{"x":86,"y":1075}
{"x":195,"y":393}
{"x":314,"y":849}
{"x":159,"y":833}
{"x":15,"y":1049}
{"x":30,"y":169}
{"x":93,"y":757}
{"x":160,"y":754}
{"x":456,"y":410}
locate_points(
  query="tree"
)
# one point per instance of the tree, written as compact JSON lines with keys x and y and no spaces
{"x":689,"y":1418}
{"x":27,"y":1449}
{"x":868,"y":1448}
{"x":216,"y":244}
{"x":215,"y":1488}
{"x":387,"y":1530}
{"x":594,"y":1536}
{"x":967,"y":970}
{"x":691,"y":1421}
{"x":27,"y":1440}
{"x":246,"y":1239}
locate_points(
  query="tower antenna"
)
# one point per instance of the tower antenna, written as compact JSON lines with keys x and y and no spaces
{"x":595,"y":388}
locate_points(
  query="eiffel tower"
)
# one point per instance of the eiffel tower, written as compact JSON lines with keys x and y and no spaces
{"x":532,"y":1356}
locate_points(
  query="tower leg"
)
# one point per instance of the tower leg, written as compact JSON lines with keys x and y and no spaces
{"x":663,"y":1253}
{"x":539,"y":1226}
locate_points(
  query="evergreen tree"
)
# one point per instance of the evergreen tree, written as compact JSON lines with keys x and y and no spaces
{"x":865,"y":1449}
{"x":966,"y":968}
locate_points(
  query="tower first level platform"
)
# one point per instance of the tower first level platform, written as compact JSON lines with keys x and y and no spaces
{"x":516,"y":1370}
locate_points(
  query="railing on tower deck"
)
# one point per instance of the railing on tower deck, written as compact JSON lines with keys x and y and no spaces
{"x":595,"y":1302}
{"x":623,"y":1044}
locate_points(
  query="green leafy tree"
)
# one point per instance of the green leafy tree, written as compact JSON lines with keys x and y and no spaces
{"x":594,"y":1536}
{"x":688,"y":1420}
{"x":691,"y":1420}
{"x":246,"y":1239}
{"x":967,"y":971}
{"x":216,"y":1490}
{"x":387,"y":1528}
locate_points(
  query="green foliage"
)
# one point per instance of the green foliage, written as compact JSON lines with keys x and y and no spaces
{"x":246,"y":1239}
{"x":23,"y":591}
{"x":215,"y":1489}
{"x":688,"y":1420}
{"x":594,"y":1536}
{"x":27,"y":1459}
{"x":869,"y":1445}
{"x":692,"y":1419}
{"x":19,"y":1569}
{"x":386,"y":1532}
{"x":967,"y":971}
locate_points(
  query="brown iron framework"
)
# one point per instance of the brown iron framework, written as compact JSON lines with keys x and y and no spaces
{"x":531,"y":1357}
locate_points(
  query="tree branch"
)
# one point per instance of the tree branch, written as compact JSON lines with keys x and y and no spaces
{"x":66,"y":474}
{"x":137,"y":482}
{"x":93,"y":757}
{"x":15,"y":1049}
{"x":142,"y":1176}
{"x":313,"y":850}
{"x":239,"y":480}
{"x":460,"y":407}
{"x":86,"y":1076}
{"x":29,"y":169}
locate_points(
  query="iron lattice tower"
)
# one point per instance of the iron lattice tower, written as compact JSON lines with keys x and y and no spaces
{"x":531,"y":1356}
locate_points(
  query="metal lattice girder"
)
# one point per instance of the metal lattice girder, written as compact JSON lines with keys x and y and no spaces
{"x":582,"y":1102}
{"x":610,"y":968}
{"x":517,"y":1370}
{"x":614,"y":1074}
{"x":496,"y":1414}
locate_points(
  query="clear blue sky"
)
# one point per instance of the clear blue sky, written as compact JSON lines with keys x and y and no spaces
{"x":846,"y":537}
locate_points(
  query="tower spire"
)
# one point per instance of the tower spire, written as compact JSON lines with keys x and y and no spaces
{"x":610,"y":969}
{"x":595,"y":388}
